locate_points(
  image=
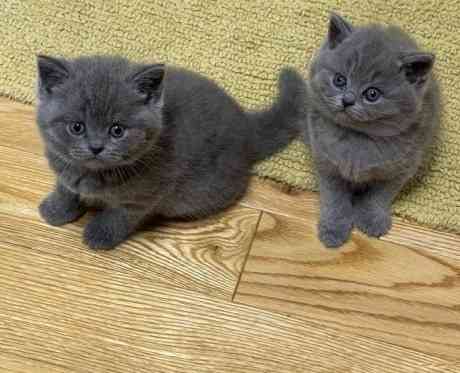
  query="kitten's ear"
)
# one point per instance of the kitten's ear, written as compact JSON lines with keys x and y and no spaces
{"x":417,"y":66}
{"x":148,"y":81}
{"x":51,"y":72}
{"x":339,"y":30}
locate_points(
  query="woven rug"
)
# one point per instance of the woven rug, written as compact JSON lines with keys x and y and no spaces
{"x":243,"y":45}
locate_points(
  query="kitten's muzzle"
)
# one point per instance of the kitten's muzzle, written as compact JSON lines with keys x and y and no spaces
{"x":348,"y":99}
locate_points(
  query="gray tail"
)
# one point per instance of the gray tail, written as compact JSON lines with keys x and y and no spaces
{"x":276,"y":126}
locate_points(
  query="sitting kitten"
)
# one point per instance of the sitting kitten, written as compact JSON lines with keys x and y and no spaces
{"x":138,"y":141}
{"x":373,"y":111}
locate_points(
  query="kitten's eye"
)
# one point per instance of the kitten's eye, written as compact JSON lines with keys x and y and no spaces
{"x":116,"y":131}
{"x":340,"y":81}
{"x":372,"y":94}
{"x":77,"y":128}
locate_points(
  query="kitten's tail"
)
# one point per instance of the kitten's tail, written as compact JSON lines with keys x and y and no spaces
{"x":276,"y":126}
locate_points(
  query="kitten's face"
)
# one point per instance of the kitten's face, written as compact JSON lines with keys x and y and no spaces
{"x":99,"y":113}
{"x":370,"y":79}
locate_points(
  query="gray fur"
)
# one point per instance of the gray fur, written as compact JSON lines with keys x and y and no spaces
{"x":365,"y":151}
{"x":186,"y":152}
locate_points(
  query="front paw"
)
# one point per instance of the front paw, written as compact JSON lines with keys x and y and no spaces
{"x":59,"y":210}
{"x":372,"y":219}
{"x":333,"y":233}
{"x":106,"y":230}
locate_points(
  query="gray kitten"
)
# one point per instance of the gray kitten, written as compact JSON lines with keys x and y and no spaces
{"x":138,"y":141}
{"x":373,"y":111}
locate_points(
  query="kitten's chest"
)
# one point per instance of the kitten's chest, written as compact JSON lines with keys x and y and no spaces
{"x":356,"y":157}
{"x":106,"y":190}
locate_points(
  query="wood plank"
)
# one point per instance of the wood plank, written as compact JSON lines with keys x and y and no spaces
{"x":78,"y":315}
{"x":373,"y":288}
{"x":206,"y":255}
{"x":272,"y":197}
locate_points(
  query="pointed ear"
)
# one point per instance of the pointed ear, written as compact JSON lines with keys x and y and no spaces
{"x":417,"y":66}
{"x":51,"y":72}
{"x":339,"y":30}
{"x":148,"y":81}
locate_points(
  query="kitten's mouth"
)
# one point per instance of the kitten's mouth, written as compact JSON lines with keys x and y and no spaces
{"x":97,"y":164}
{"x":347,"y":118}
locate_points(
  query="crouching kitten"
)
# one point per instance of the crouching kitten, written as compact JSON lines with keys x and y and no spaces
{"x":137,"y":141}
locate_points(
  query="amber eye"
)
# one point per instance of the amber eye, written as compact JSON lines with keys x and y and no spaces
{"x":117,"y":131}
{"x":77,"y":128}
{"x":372,"y":94}
{"x":340,"y":81}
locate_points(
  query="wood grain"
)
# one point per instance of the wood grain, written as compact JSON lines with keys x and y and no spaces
{"x":205,"y":256}
{"x":271,"y":197}
{"x":80,"y":316}
{"x":18,"y":364}
{"x":373,"y":288}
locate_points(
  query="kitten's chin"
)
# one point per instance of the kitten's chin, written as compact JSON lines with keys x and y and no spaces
{"x":100,"y":165}
{"x":346,"y":120}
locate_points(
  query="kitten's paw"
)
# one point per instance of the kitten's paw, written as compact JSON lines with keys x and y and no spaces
{"x":106,"y":231}
{"x":372,"y":219}
{"x":57,"y":210}
{"x":334,"y":234}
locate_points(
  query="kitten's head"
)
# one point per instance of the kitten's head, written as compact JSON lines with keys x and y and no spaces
{"x":372,"y":79}
{"x":99,"y":112}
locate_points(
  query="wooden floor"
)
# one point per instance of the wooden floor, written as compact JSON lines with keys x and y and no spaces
{"x":250,"y":290}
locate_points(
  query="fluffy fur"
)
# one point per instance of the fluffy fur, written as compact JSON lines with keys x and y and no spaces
{"x":373,"y":110}
{"x":137,"y":141}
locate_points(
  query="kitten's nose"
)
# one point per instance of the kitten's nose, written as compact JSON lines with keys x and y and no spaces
{"x":348,"y":99}
{"x":96,"y":149}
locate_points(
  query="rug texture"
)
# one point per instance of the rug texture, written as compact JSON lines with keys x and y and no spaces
{"x":243,"y":44}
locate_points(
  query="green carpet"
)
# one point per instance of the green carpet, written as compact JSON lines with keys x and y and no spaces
{"x":243,"y":45}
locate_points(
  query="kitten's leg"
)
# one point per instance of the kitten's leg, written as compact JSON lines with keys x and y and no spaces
{"x":372,"y":208}
{"x":112,"y":226}
{"x":61,"y":207}
{"x":336,"y":220}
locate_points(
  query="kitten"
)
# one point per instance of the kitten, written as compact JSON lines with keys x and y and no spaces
{"x":138,"y":141}
{"x":373,"y":111}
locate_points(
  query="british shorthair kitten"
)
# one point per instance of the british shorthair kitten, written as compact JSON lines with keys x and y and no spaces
{"x":138,"y":141}
{"x":373,"y":110}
